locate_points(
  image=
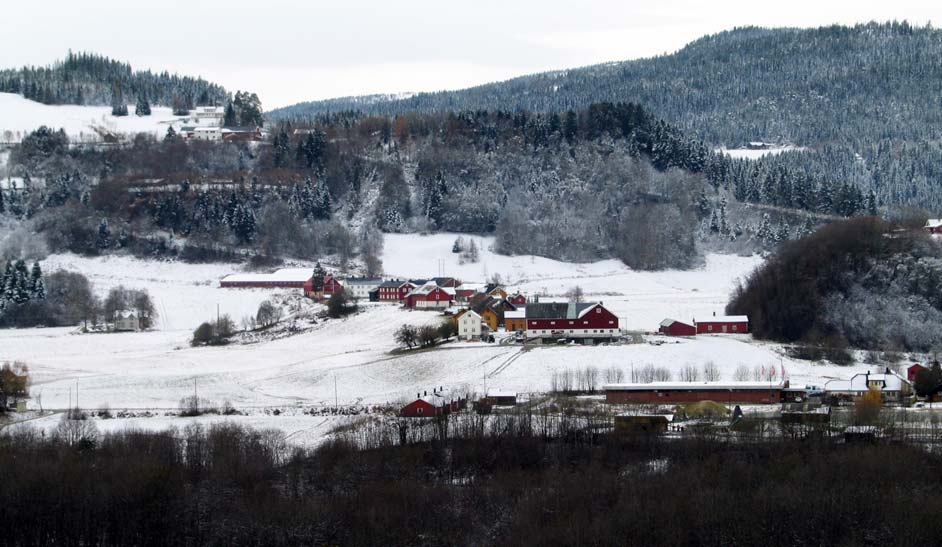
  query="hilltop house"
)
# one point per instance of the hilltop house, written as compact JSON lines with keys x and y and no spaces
{"x":586,"y":321}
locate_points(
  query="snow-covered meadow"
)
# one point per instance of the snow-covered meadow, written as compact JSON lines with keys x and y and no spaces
{"x":19,"y":116}
{"x":351,"y":361}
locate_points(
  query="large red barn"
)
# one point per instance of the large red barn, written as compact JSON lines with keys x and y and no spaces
{"x":285,"y":278}
{"x":395,"y":290}
{"x":331,"y":285}
{"x":727,"y":324}
{"x":430,"y":296}
{"x":583,"y":320}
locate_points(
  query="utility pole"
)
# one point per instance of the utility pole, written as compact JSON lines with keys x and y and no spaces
{"x":336,"y":404}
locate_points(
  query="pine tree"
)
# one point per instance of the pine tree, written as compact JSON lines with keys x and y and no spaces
{"x":764,"y":232}
{"x":143,"y":107}
{"x":2,"y":205}
{"x":20,"y":283}
{"x":714,"y":223}
{"x":724,"y":221}
{"x":104,"y":235}
{"x":171,"y":135}
{"x":229,"y":117}
{"x":37,"y":286}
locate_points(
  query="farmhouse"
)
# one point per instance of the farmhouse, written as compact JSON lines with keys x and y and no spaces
{"x":285,"y":278}
{"x":692,"y":392}
{"x":430,"y":297}
{"x":209,"y":115}
{"x":723,"y":324}
{"x":892,"y":386}
{"x":934,"y":226}
{"x":395,"y":290}
{"x":579,"y":320}
{"x":127,"y":320}
{"x":491,"y":310}
{"x":497,"y":397}
{"x":466,"y":291}
{"x":672,"y":327}
{"x":469,"y":325}
{"x":438,"y":403}
{"x":361,"y":287}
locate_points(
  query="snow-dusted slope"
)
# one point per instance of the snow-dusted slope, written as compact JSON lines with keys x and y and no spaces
{"x":19,"y":116}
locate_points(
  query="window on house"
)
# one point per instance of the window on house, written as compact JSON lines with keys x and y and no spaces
{"x":598,"y":310}
{"x":419,"y":411}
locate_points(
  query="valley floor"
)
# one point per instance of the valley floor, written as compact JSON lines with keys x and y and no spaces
{"x":351,"y":361}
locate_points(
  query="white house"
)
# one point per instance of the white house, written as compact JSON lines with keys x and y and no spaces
{"x":893,"y":386}
{"x":209,"y":115}
{"x":127,"y":320}
{"x":469,"y":325}
{"x":361,"y":287}
{"x":208,"y":133}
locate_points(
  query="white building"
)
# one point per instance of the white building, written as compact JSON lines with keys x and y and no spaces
{"x":127,"y":320}
{"x":207,"y":133}
{"x":209,"y":115}
{"x":469,"y":325}
{"x":361,"y":287}
{"x":893,"y":386}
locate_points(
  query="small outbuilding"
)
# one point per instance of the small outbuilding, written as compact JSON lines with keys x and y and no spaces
{"x":672,"y":327}
{"x":501,"y":398}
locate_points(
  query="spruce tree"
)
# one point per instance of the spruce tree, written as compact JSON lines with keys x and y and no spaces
{"x":143,"y":107}
{"x":36,"y":284}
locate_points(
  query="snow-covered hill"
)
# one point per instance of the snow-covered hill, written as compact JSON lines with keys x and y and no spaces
{"x":19,"y":116}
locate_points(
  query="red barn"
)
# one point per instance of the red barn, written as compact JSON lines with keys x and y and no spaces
{"x":517,"y":299}
{"x":559,"y":320}
{"x":331,"y":285}
{"x":723,"y":324}
{"x":672,"y":327}
{"x":669,"y":393}
{"x":430,"y":296}
{"x":913,"y":370}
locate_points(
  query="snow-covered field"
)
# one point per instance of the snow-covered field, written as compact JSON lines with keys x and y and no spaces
{"x":19,"y":116}
{"x":640,"y":299}
{"x":350,"y":361}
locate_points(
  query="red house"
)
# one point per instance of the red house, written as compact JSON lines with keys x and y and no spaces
{"x":331,"y":285}
{"x":430,"y":296}
{"x":394,"y":290}
{"x":724,"y":324}
{"x":517,"y":299}
{"x":587,"y":321}
{"x":438,"y":403}
{"x":672,"y":327}
{"x":934,"y":225}
{"x":913,"y":370}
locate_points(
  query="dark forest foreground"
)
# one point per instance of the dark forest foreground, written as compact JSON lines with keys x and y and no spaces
{"x":229,"y":486}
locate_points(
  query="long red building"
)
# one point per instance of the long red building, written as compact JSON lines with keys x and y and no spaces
{"x":728,"y":324}
{"x":693,"y":392}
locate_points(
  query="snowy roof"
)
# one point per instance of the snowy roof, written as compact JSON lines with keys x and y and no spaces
{"x":725,"y":319}
{"x":860,"y":383}
{"x":362,"y":281}
{"x":394,"y":283}
{"x":558,"y":310}
{"x":476,"y":287}
{"x":501,"y":393}
{"x":668,"y":322}
{"x":934,"y":223}
{"x":519,"y":313}
{"x":296,"y":275}
{"x":692,"y":386}
{"x":431,"y":286}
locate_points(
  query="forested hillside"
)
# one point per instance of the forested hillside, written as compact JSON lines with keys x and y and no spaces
{"x":89,"y":79}
{"x":864,"y":282}
{"x":864,"y":100}
{"x":608,"y":181}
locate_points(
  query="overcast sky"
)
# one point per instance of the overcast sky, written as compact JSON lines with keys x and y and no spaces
{"x":291,"y":51}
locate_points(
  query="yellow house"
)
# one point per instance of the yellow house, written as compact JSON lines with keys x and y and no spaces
{"x":489,"y":316}
{"x":498,"y":292}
